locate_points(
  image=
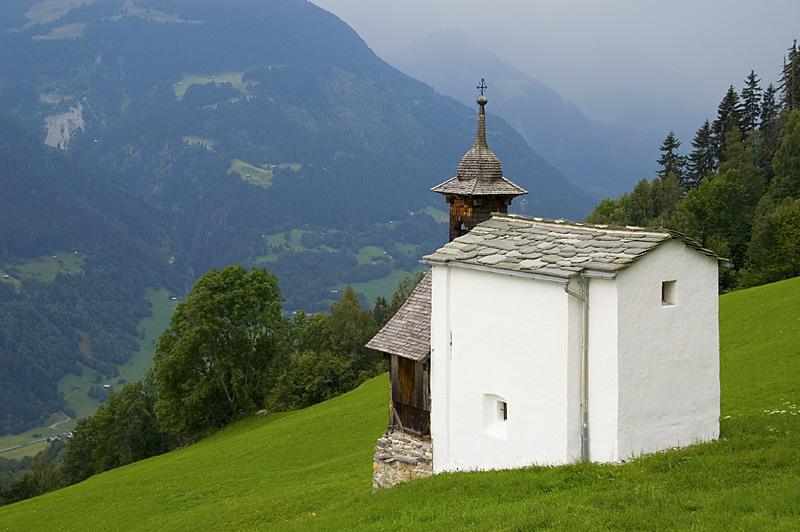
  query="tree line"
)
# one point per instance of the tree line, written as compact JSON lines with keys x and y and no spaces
{"x":738,"y":190}
{"x":228,"y":353}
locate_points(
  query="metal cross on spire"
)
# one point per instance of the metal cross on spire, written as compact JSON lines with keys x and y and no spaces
{"x":482,"y":86}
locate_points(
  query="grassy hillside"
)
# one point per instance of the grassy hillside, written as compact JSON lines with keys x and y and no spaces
{"x":311,"y":470}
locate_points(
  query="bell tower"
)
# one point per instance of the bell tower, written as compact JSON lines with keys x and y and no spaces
{"x":479,"y":188}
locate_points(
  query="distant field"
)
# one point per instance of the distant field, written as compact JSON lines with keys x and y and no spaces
{"x":234,"y":78}
{"x":383,"y":287}
{"x":52,"y":10}
{"x":279,"y":239}
{"x":252,"y":174}
{"x":152,"y":14}
{"x":67,"y":31}
{"x":366,"y":253}
{"x":79,"y":401}
{"x":206,"y":143}
{"x":45,"y":268}
{"x":155,"y":324}
{"x":439,"y":216}
{"x":32,"y":435}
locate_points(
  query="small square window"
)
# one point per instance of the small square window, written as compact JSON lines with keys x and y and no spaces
{"x":669,"y":293}
{"x":495,"y":416}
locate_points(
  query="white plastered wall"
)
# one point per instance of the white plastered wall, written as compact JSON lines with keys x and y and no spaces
{"x":501,"y":338}
{"x":603,"y":391}
{"x":668,"y":366}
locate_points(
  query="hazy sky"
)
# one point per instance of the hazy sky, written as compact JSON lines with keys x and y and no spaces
{"x":608,"y":57}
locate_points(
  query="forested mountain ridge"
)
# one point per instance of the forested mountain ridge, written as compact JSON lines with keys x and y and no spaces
{"x":201,"y":133}
{"x":167,"y":97}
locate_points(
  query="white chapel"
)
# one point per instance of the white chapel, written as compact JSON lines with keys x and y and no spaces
{"x":547,"y":342}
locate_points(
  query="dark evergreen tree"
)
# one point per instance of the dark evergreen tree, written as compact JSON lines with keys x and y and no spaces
{"x":751,"y":103}
{"x":729,"y":115}
{"x":380,"y":311}
{"x":770,"y":109}
{"x":702,"y":160}
{"x":790,"y":80}
{"x":770,"y":118}
{"x":670,"y":160}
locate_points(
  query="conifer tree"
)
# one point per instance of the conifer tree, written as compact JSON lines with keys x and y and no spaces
{"x":670,"y":161}
{"x":770,"y":118}
{"x":702,"y":160}
{"x":790,"y":80}
{"x":770,"y":109}
{"x":729,"y":115}
{"x":751,"y":103}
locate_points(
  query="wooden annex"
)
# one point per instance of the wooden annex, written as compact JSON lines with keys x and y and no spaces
{"x":405,"y":339}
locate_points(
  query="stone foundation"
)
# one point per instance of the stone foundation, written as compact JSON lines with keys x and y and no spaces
{"x":400,"y":457}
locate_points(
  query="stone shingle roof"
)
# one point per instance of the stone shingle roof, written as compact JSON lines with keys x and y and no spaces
{"x":553,"y":248}
{"x":408,"y":333}
{"x":479,"y":173}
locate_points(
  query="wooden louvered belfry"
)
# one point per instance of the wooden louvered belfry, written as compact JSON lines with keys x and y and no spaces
{"x":479,"y":188}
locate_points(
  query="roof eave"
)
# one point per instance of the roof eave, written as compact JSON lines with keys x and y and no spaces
{"x":500,"y":271}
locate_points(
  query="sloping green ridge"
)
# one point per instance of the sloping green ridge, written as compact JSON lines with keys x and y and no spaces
{"x":311,"y":469}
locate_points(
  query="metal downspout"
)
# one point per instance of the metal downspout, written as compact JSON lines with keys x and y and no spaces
{"x":583,"y":296}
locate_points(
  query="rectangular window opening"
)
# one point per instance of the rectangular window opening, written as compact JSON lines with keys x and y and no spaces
{"x":669,"y":293}
{"x":502,"y":411}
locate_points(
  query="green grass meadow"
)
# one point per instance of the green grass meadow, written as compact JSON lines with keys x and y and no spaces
{"x":312,"y":469}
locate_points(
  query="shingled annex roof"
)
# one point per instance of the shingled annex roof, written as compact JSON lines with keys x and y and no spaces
{"x":408,"y":333}
{"x":554,"y":249}
{"x":479,"y":173}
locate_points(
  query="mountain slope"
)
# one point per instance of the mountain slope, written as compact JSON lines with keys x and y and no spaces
{"x":602,"y":159}
{"x":369,"y":140}
{"x":234,"y":121}
{"x":311,"y":469}
{"x":97,"y":248}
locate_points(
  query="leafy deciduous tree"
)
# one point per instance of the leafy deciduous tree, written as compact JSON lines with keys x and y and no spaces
{"x":213,"y":363}
{"x":349,"y":328}
{"x":774,"y":252}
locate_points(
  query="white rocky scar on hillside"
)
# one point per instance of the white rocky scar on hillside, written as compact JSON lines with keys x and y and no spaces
{"x":60,"y":127}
